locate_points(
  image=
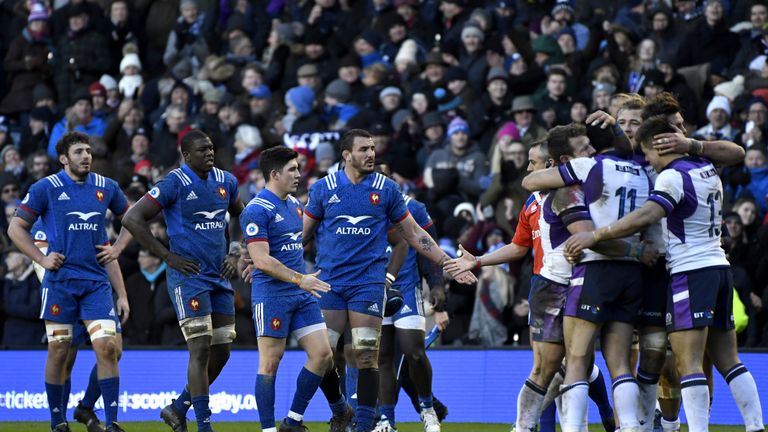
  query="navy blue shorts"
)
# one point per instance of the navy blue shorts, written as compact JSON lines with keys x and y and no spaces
{"x":198,"y":298}
{"x":364,"y":299}
{"x":278,"y":317}
{"x":655,"y":286}
{"x":700,"y":298}
{"x":605,"y":291}
{"x":547,"y":301}
{"x":411,"y":314}
{"x":71,"y":300}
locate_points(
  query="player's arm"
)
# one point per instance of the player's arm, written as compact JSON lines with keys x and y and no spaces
{"x":262,"y":260}
{"x":115,"y":276}
{"x":399,"y":253}
{"x":621,"y":143}
{"x":549,"y":178}
{"x":503,"y":255}
{"x":423,"y":243}
{"x":309,"y":228}
{"x":434,"y":275}
{"x":18,"y":232}
{"x":721,"y":152}
{"x":136,"y":221}
{"x":648,"y":214}
{"x":614,"y":247}
{"x":119,"y":206}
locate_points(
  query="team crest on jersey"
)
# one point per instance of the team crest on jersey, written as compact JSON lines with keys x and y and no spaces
{"x":222,"y":192}
{"x":194,"y":304}
{"x":100,"y":195}
{"x":252,"y":229}
{"x":154,"y":192}
{"x":276,"y":323}
{"x":55,"y":309}
{"x":375,"y":198}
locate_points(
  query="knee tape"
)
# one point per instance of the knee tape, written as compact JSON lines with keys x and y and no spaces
{"x":366,"y":338}
{"x":102,"y":328}
{"x":59,"y":332}
{"x":224,"y":335}
{"x":196,"y":327}
{"x":333,"y":338}
{"x":656,"y":341}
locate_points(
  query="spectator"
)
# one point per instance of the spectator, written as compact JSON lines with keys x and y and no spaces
{"x":719,"y":115}
{"x":247,"y":150}
{"x":9,"y":188}
{"x":122,"y":127}
{"x":554,"y":106}
{"x":491,"y":110}
{"x":125,"y":166}
{"x":147,"y":292}
{"x":337,"y":111}
{"x":433,"y":137}
{"x":123,"y":27}
{"x":164,"y":151}
{"x":523,"y":111}
{"x":187,"y":40}
{"x":11,"y":162}
{"x":80,"y":118}
{"x":39,"y":165}
{"x":35,"y":135}
{"x":505,"y":194}
{"x":21,"y":298}
{"x":710,"y":42}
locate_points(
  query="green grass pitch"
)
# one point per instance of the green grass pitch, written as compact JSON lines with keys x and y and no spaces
{"x":313,"y":427}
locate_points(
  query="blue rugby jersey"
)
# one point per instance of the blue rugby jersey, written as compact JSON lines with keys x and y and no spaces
{"x":352,"y":234}
{"x":73,"y":215}
{"x":195,"y":211}
{"x":409,"y":275}
{"x":278,"y":222}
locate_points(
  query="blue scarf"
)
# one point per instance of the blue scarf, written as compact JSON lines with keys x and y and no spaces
{"x":152,"y":277}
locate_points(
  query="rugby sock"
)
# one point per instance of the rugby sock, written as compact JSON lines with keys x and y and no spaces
{"x":599,"y":394}
{"x":744,"y":392}
{"x":332,"y":390}
{"x":554,"y":387}
{"x":695,"y":401}
{"x":93,"y":391}
{"x":65,"y":396}
{"x":110,"y":390}
{"x":529,"y":402}
{"x":648,"y":384}
{"x":54,"y":393}
{"x":203,"y":413}
{"x":426,"y":402}
{"x":626,"y":393}
{"x":574,"y":405}
{"x":182,"y":403}
{"x":389,"y":412}
{"x":306,"y":385}
{"x":351,"y":387}
{"x":547,"y":420}
{"x":265,"y":400}
{"x":367,"y":393}
{"x":670,"y":425}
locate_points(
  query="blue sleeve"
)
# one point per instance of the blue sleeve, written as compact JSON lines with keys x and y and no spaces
{"x":165,"y":193}
{"x":119,"y":203}
{"x":419,"y":213}
{"x":314,"y":208}
{"x":255,"y":224}
{"x":396,"y":208}
{"x":234,"y":191}
{"x":58,"y":130}
{"x":35,"y":202}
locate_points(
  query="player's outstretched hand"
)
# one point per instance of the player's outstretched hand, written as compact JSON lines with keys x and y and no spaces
{"x":578,"y":242}
{"x":108,"y":254}
{"x":601,"y":118}
{"x":229,"y":267}
{"x":465,"y":262}
{"x":247,"y":274}
{"x":438,"y":297}
{"x":442,"y":320}
{"x":311,"y":284}
{"x":186,"y":266}
{"x":52,"y":261}
{"x":123,"y":309}
{"x":464,"y":278}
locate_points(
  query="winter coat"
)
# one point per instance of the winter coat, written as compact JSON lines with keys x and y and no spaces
{"x":26,"y":64}
{"x":22,"y":309}
{"x":88,"y":53}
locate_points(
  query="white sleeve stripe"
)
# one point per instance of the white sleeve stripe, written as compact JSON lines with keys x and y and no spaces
{"x":263,"y":203}
{"x":55,"y":181}
{"x":181,"y":176}
{"x":333,"y":180}
{"x":327,"y":183}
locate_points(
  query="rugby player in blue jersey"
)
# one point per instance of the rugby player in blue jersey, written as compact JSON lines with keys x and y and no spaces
{"x":72,"y":204}
{"x":350,"y":211}
{"x":195,"y":199}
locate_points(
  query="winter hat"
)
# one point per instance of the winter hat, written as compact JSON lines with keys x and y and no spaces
{"x":446,"y":100}
{"x":144,"y":163}
{"x":432,"y":119}
{"x":41,"y":113}
{"x":249,"y":136}
{"x":496,"y":73}
{"x":379,"y":128}
{"x":546,"y":45}
{"x":184,"y":3}
{"x":471,"y":29}
{"x":566,"y":31}
{"x":731,"y":89}
{"x":314,"y":37}
{"x":467,"y":207}
{"x":523,"y":103}
{"x":399,"y":118}
{"x":757,"y":63}
{"x":603,"y":87}
{"x":407,"y":52}
{"x":719,"y":102}
{"x":261,"y":92}
{"x":509,"y":129}
{"x":458,"y":125}
{"x":3,"y":125}
{"x":302,"y":98}
{"x":352,"y":59}
{"x":455,"y":73}
{"x":654,"y":78}
{"x":371,"y":37}
{"x":38,"y":13}
{"x":96,"y":89}
{"x":213,"y":95}
{"x":324,"y":151}
{"x":141,"y":132}
{"x":130,"y":59}
{"x":562,"y":5}
{"x":339,"y":90}
{"x":81,"y":95}
{"x":108,"y":82}
{"x":390,"y":91}
{"x":307,"y":70}
{"x":41,"y":92}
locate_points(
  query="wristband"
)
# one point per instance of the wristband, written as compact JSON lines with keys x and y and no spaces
{"x":296,"y":278}
{"x":391,"y":278}
{"x":697,"y":147}
{"x":629,"y":249}
{"x":478,"y":263}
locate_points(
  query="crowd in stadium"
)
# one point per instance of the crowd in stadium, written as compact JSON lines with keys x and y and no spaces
{"x":454,"y":92}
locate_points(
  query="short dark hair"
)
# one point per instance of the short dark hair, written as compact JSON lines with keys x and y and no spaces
{"x":274,"y":159}
{"x":760,"y":148}
{"x":652,"y":127}
{"x":558,"y":142}
{"x":557,"y":71}
{"x":69,"y":139}
{"x":191,"y":138}
{"x":663,"y":104}
{"x":348,"y":139}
